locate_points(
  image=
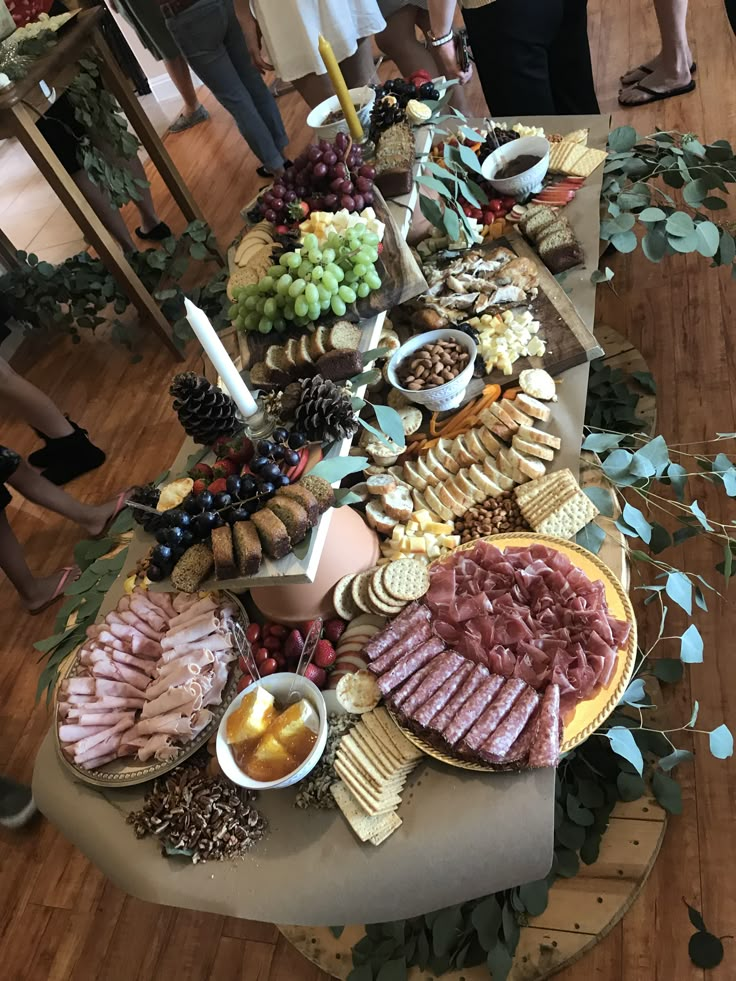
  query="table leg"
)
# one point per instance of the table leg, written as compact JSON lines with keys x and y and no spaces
{"x":123,"y":92}
{"x":71,"y":197}
{"x":7,"y":252}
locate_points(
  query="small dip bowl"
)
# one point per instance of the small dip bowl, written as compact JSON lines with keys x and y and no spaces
{"x":362,"y":97}
{"x":526,"y":183}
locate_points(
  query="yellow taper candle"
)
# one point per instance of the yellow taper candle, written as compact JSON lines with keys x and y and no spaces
{"x":341,"y":89}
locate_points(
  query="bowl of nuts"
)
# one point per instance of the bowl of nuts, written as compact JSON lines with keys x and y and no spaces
{"x":434,"y":369}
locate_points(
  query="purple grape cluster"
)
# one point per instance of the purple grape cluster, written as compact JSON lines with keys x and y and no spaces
{"x":327,"y":176}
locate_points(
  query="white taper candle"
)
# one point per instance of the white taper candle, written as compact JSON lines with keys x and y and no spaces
{"x":221,"y":360}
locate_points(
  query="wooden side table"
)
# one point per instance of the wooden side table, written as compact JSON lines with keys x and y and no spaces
{"x":58,"y":68}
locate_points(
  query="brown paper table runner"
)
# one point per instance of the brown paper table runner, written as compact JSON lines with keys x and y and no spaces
{"x":463,"y":834}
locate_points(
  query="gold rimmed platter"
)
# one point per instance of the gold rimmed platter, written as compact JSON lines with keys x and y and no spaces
{"x":590,"y":714}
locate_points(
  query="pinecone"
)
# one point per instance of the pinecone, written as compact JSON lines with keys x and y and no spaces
{"x":319,"y":409}
{"x":147,"y":494}
{"x":204,"y":411}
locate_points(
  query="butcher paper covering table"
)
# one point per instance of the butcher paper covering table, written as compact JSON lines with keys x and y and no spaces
{"x":464,"y":834}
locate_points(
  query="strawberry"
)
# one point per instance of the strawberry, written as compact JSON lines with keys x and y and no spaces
{"x":223,"y":468}
{"x":316,"y":675}
{"x":201,"y":471}
{"x":293,"y":645}
{"x":334,"y":629}
{"x":219,"y":446}
{"x":306,"y":627}
{"x":218,"y":486}
{"x":199,"y":486}
{"x":324,"y":654}
{"x":298,"y":210}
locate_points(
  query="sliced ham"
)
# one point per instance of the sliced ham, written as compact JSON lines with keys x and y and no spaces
{"x":120,"y":672}
{"x":205,"y":605}
{"x":158,"y":746}
{"x":110,"y":718}
{"x":118,"y":689}
{"x":184,"y":698}
{"x":73,"y":733}
{"x":201,"y":626}
{"x":199,"y":659}
{"x":139,"y":644}
{"x":220,"y":642}
{"x":80,"y":686}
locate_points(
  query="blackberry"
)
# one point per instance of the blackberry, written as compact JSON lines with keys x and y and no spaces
{"x":479,"y":369}
{"x":469,"y":330}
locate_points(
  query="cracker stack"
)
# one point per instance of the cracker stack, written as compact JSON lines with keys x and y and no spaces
{"x":555,"y":504}
{"x":383,"y":591}
{"x":574,"y":159}
{"x":373,"y":761}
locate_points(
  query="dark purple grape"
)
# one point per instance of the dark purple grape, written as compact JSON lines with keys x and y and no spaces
{"x":363,"y":184}
{"x":177,"y":552}
{"x":283,"y":480}
{"x":203,"y":523}
{"x":204,"y":499}
{"x":219,"y":521}
{"x":368,"y":198}
{"x":173,"y":537}
{"x":290,"y":196}
{"x":324,"y":145}
{"x":340,"y":170}
{"x":264,"y":446}
{"x":161,"y":555}
{"x":329,"y":158}
{"x":331,"y":202}
{"x":291,"y":458}
{"x":222,"y":501}
{"x":301,"y":190}
{"x":270,"y":215}
{"x":297,"y":440}
{"x":265,"y":488}
{"x":347,"y":202}
{"x":341,"y":141}
{"x":162,"y":535}
{"x":300,"y":161}
{"x":346,"y":187}
{"x":336,"y":185}
{"x":233,"y":484}
{"x":359,"y":202}
{"x":280,"y":435}
{"x":277,"y":453}
{"x":268,"y":198}
{"x":239,"y":514}
{"x":178,"y":518}
{"x":257,"y":463}
{"x":247,"y":486}
{"x":278,"y":204}
{"x":320,"y":170}
{"x":314,"y":154}
{"x":155,"y":573}
{"x":189,"y":504}
{"x":187,"y":538}
{"x":367,"y":171}
{"x":271,"y":471}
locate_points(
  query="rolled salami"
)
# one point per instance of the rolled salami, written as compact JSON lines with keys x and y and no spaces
{"x":409,"y":664}
{"x":442,"y":668}
{"x":442,"y":696}
{"x":474,"y":679}
{"x":519,"y":752}
{"x":494,"y":715}
{"x":472,"y":709}
{"x":397,"y":697}
{"x":496,"y":747}
{"x":409,"y":642}
{"x":545,"y":749}
{"x":411,"y":615}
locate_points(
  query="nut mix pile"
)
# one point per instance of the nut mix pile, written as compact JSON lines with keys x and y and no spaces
{"x":315,"y":790}
{"x":491,"y":517}
{"x":208,"y":816}
{"x":432,"y":365}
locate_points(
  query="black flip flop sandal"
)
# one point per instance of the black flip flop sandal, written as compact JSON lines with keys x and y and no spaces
{"x":655,"y":96}
{"x":647,"y":71}
{"x":157,"y":234}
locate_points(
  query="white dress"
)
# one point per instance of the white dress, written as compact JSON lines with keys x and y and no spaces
{"x":291,"y":30}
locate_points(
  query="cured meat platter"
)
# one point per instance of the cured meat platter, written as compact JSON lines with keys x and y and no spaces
{"x":599,"y":692}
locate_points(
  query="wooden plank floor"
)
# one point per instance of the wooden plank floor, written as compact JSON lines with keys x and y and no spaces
{"x":59,"y":918}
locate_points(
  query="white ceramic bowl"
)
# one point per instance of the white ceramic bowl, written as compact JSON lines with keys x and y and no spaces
{"x":364,"y":97}
{"x":442,"y":397}
{"x":523,"y":184}
{"x":278,"y":685}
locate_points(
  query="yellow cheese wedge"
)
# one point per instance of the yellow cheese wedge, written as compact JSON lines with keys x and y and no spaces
{"x":423,"y":518}
{"x":437,"y":528}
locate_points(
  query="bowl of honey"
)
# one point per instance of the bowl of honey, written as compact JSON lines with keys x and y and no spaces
{"x":268,"y":739}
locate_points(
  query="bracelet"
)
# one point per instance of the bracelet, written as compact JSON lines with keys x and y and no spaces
{"x":437,"y":42}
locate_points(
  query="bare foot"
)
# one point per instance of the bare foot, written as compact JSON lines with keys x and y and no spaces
{"x":634,"y":75}
{"x":48,"y":588}
{"x":657,"y":81}
{"x":101,"y":515}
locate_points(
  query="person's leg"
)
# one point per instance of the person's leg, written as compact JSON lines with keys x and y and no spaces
{"x":37,"y":489}
{"x":263,"y":100}
{"x":17,"y":806}
{"x":671,"y":69}
{"x":400,"y":43}
{"x":34,"y":591}
{"x":103,"y":208}
{"x":570,"y":68}
{"x":200,"y":33}
{"x":313,"y":88}
{"x":31,"y":404}
{"x":509,"y":39}
{"x":359,"y":68}
{"x":181,"y":76}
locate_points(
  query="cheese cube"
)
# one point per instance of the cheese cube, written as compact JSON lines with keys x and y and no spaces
{"x":412,"y":528}
{"x":449,"y":541}
{"x":434,"y":551}
{"x":438,"y":528}
{"x":416,"y":545}
{"x":398,"y":533}
{"x":422,"y":518}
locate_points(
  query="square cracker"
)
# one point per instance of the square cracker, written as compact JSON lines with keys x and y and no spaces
{"x":366,"y":758}
{"x":370,"y":803}
{"x":375,"y":785}
{"x":366,"y":827}
{"x":570,"y":517}
{"x":408,"y":751}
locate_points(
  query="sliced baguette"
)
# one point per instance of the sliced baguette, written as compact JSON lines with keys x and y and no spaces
{"x":533,"y":407}
{"x":461,"y":453}
{"x":497,"y":476}
{"x":465,"y":486}
{"x":436,"y":467}
{"x":533,"y":435}
{"x":519,"y":417}
{"x":532,"y":449}
{"x":483,"y":482}
{"x":501,"y":412}
{"x":474,"y":445}
{"x":507,"y":465}
{"x":420,"y":502}
{"x":413,"y":477}
{"x":436,"y":506}
{"x":303,"y":357}
{"x":398,"y":504}
{"x":443,"y":451}
{"x":452,"y":500}
{"x":489,"y":441}
{"x":381,"y":485}
{"x":290,"y":353}
{"x":378,"y":519}
{"x":426,"y":474}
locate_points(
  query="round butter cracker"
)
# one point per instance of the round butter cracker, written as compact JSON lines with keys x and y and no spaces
{"x":342,"y":599}
{"x":406,"y":580}
{"x":358,"y":693}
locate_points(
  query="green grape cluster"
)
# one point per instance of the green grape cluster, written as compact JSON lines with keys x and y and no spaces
{"x":309,"y":282}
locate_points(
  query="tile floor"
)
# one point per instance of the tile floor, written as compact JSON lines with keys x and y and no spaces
{"x":31,"y":214}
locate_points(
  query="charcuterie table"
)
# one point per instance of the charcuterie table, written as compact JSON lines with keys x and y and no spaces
{"x":464,"y":834}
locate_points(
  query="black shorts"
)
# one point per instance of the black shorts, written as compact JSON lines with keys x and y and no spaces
{"x":9,"y":462}
{"x":63,"y":133}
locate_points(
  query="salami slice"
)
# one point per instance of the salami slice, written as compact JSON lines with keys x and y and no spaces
{"x":475,"y":705}
{"x":477,"y":675}
{"x":425,"y":713}
{"x":545,"y":749}
{"x":413,"y":614}
{"x":412,"y":639}
{"x":519,"y":752}
{"x":494,"y":714}
{"x":496,"y":747}
{"x":409,"y":664}
{"x":442,"y":668}
{"x":397,"y":698}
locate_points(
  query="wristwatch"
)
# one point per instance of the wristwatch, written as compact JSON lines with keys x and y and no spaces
{"x":437,"y":42}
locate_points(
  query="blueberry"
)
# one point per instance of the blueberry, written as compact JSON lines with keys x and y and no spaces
{"x":291,"y":458}
{"x":258,"y":462}
{"x":161,"y":555}
{"x":283,"y":480}
{"x":204,"y":499}
{"x":280,"y":435}
{"x":264,"y":447}
{"x":155,"y":573}
{"x":222,"y":501}
{"x":239,"y":514}
{"x":233,"y":484}
{"x":297,"y":440}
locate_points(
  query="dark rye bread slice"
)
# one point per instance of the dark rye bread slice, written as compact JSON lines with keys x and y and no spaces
{"x":272,"y":533}
{"x":305,"y":497}
{"x":338,"y":365}
{"x":321,"y":489}
{"x":293,"y":516}
{"x":222,"y":551}
{"x":248,"y":551}
{"x":192,"y":568}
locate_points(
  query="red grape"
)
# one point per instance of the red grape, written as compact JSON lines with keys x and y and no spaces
{"x":299,"y":162}
{"x":330,"y":158}
{"x":346,"y":187}
{"x":320,"y":170}
{"x":330,"y":202}
{"x":347,"y":202}
{"x":340,"y":170}
{"x":341,"y":141}
{"x":277,"y":204}
{"x":301,"y":190}
{"x":336,"y":185}
{"x":271,"y":215}
{"x":364,"y":184}
{"x":359,"y":202}
{"x":268,"y":198}
{"x":314,"y":154}
{"x":368,"y":198}
{"x":325,"y":145}
{"x":290,"y":196}
{"x":367,"y":171}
